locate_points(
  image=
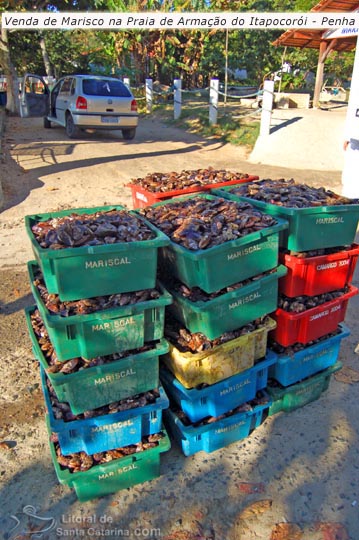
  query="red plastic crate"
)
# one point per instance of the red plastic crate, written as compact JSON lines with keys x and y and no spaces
{"x":250,"y":178}
{"x":317,"y":275}
{"x":312,"y":323}
{"x":141,"y":197}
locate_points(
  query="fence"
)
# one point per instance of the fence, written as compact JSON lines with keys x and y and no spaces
{"x":176,"y":93}
{"x":213,"y":94}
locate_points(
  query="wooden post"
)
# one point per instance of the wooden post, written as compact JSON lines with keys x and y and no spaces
{"x":213,"y":101}
{"x":267,"y":107}
{"x":177,"y":98}
{"x":324,"y":49}
{"x":320,"y":74}
{"x":149,"y":95}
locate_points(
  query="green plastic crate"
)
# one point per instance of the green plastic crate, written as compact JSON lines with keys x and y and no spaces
{"x":308,"y":228}
{"x":299,"y":394}
{"x":231,"y":310}
{"x":94,"y":387}
{"x":103,"y":332}
{"x":84,"y":272}
{"x":115,"y":475}
{"x":214,"y":268}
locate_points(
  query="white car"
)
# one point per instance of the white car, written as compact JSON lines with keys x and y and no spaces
{"x":79,"y":102}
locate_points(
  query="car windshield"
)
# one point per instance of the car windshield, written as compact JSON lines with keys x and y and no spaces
{"x":103,"y":87}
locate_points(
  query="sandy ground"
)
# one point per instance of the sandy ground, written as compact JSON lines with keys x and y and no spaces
{"x":295,"y":477}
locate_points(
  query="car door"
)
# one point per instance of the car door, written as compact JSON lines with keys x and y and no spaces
{"x":34,"y":96}
{"x":53,"y":97}
{"x":63,"y":99}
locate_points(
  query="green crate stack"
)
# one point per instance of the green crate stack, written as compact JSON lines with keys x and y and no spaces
{"x":319,"y":252}
{"x":238,"y":283}
{"x":122,"y":342}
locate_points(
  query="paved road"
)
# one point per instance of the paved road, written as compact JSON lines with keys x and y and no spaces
{"x":306,"y":139}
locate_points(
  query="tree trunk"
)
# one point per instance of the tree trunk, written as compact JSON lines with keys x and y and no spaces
{"x":12,"y":103}
{"x":45,"y":57}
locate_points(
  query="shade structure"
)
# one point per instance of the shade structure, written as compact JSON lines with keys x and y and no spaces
{"x":322,"y":39}
{"x":310,"y":38}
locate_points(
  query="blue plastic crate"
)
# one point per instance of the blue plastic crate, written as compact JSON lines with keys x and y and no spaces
{"x":218,"y":434}
{"x":290,"y":369}
{"x":221,"y":397}
{"x":108,"y":431}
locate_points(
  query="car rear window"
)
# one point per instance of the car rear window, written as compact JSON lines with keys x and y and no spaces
{"x":102,"y":87}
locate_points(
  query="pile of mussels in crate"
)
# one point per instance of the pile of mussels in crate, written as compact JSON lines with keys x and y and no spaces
{"x":238,"y":316}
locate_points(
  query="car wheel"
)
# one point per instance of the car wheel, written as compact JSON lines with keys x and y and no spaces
{"x":129,"y":134}
{"x":72,"y":131}
{"x":47,"y":123}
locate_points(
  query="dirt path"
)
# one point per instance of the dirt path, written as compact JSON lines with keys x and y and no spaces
{"x":45,"y":171}
{"x":299,"y":468}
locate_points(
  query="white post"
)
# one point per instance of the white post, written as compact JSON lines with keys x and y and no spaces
{"x":350,"y":185}
{"x":267,"y":107}
{"x":126,"y":81}
{"x":149,"y":95}
{"x":177,"y":98}
{"x":226,"y":69}
{"x":213,"y":101}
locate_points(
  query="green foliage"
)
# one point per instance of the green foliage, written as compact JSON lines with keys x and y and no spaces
{"x":340,"y":65}
{"x":194,"y":55}
{"x":30,"y":58}
{"x":289,"y":81}
{"x":227,"y":129}
{"x":195,"y":119}
{"x":66,"y":50}
{"x":303,"y":5}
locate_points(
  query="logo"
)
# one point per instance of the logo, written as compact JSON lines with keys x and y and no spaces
{"x":30,"y":525}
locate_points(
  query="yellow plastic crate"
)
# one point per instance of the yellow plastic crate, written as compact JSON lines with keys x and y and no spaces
{"x":219,"y":363}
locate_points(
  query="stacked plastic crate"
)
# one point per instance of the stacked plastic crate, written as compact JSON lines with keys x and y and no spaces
{"x":320,"y":255}
{"x":156,"y":187}
{"x":97,"y":331}
{"x":213,"y":406}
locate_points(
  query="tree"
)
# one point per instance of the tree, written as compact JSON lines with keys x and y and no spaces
{"x":7,"y":63}
{"x":165,"y":54}
{"x":45,"y":56}
{"x":12,"y":102}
